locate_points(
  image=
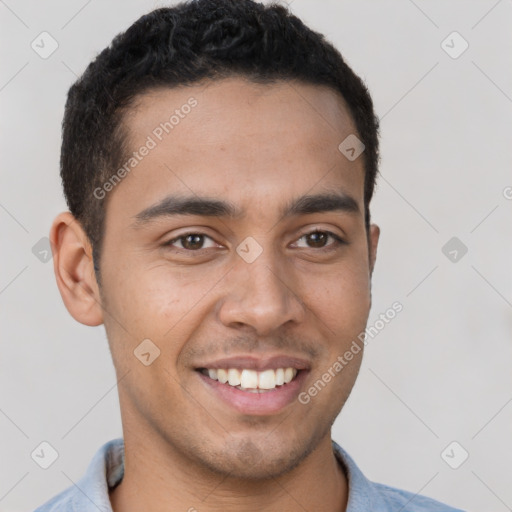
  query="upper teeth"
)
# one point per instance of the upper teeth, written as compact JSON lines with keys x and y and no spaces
{"x":252,"y":379}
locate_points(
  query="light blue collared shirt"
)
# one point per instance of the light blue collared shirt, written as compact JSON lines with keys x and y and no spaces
{"x":106,"y":470}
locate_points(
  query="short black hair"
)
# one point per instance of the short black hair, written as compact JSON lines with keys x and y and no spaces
{"x":181,"y":45}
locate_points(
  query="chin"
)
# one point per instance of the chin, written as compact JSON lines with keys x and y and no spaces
{"x":257,"y":460}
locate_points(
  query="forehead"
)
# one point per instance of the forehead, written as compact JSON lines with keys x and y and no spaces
{"x":238,"y":139}
{"x":233,"y":108}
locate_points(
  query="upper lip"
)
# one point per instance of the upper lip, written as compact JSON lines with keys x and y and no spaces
{"x":258,"y":363}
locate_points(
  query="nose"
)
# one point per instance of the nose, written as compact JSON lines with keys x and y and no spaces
{"x":261,"y":295}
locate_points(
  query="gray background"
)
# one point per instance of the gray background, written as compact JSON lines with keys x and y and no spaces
{"x":439,"y":372}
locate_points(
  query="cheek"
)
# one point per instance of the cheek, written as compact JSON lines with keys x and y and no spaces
{"x":341,"y":300}
{"x":170,"y":298}
{"x":158,"y":304}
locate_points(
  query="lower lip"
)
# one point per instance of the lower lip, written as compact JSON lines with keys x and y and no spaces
{"x":268,"y":402}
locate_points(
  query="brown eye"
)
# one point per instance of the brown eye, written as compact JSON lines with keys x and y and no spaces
{"x":192,"y":241}
{"x":189,"y":242}
{"x":319,"y":240}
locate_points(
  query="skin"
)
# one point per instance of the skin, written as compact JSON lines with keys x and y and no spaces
{"x":260,"y":147}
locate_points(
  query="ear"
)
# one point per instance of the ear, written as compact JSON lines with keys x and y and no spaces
{"x":373,"y":241}
{"x":74,"y":270}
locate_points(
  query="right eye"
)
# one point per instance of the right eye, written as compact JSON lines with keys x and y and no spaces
{"x":190,"y":242}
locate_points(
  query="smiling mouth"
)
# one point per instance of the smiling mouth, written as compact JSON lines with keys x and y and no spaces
{"x":252,"y":381}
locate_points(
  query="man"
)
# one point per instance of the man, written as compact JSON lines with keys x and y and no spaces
{"x":218,"y":161}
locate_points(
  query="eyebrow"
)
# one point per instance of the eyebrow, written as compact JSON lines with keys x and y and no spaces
{"x":207,"y":207}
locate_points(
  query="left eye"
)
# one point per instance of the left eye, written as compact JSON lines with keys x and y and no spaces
{"x":318,"y":239}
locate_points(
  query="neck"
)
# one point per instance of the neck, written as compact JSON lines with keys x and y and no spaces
{"x":158,"y":479}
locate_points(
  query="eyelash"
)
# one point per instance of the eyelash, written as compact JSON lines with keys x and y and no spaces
{"x":338,"y":241}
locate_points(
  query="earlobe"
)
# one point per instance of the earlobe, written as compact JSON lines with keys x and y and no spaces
{"x":74,"y":271}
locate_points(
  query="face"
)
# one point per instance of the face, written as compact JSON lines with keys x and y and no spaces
{"x":237,"y":242}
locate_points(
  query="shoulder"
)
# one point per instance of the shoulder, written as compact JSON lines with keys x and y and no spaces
{"x":62,"y":502}
{"x":91,"y":492}
{"x":367,"y":495}
{"x":398,"y":499}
